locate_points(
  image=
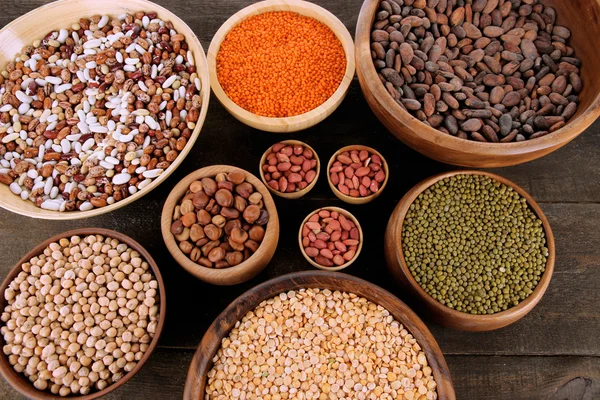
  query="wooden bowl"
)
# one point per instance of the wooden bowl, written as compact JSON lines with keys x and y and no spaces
{"x":226,"y":276}
{"x":36,"y":24}
{"x":298,"y":122}
{"x":581,"y":20}
{"x":17,"y":380}
{"x":357,"y":200}
{"x":440,"y":313}
{"x":211,"y":342}
{"x":299,"y":193}
{"x":345,"y":214}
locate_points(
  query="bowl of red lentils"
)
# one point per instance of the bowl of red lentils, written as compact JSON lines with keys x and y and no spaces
{"x":281,"y":65}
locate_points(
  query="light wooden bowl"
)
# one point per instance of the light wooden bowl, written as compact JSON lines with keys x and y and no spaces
{"x":202,"y":362}
{"x":345,"y":214}
{"x":18,"y":381}
{"x":440,"y":313}
{"x":299,"y":122}
{"x":225,"y":276}
{"x":581,"y":20}
{"x":61,"y":14}
{"x":357,"y":200}
{"x":296,"y":194}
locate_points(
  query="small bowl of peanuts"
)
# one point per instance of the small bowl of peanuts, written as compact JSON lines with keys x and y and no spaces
{"x":290,"y":169}
{"x":99,"y":103}
{"x":221,"y":225}
{"x":330,"y":238}
{"x":357,"y":174}
{"x":281,"y":65}
{"x":66,"y":279}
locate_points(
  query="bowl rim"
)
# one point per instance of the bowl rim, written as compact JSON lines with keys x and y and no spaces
{"x":357,"y":200}
{"x":499,"y":319}
{"x":297,"y":122}
{"x":222,"y":325}
{"x":203,"y":73}
{"x":573,"y":128}
{"x":238,"y":273}
{"x":299,"y":193}
{"x":348,"y":215}
{"x":17,"y":380}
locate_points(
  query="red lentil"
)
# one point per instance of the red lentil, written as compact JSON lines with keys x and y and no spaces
{"x":280,"y":64}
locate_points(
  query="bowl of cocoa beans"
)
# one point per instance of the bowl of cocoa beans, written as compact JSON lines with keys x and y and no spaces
{"x":480,"y":83}
{"x":330,"y":238}
{"x":357,"y":174}
{"x":221,"y":225}
{"x":290,"y":169}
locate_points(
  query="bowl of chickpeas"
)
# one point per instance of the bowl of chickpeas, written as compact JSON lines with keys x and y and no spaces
{"x":81,"y":313}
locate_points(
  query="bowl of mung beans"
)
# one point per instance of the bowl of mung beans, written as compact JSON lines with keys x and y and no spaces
{"x":81,"y":313}
{"x":221,"y":225}
{"x":481,"y":83}
{"x":473,"y":247}
{"x":281,"y":65}
{"x":99,"y":103}
{"x":317,"y":334}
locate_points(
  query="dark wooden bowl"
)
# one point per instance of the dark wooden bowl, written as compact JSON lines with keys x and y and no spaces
{"x":17,"y":380}
{"x":581,"y":19}
{"x":225,"y":276}
{"x":443,"y":315}
{"x":202,"y":361}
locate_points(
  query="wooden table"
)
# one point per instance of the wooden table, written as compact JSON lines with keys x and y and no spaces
{"x":552,"y":353}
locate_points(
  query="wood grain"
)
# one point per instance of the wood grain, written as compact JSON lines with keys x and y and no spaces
{"x":225,"y":276}
{"x":202,"y":362}
{"x":53,"y":16}
{"x":299,"y":122}
{"x":440,"y":313}
{"x":557,"y":342}
{"x":453,"y":150}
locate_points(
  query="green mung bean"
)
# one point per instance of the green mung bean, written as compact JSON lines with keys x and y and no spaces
{"x":474,"y":245}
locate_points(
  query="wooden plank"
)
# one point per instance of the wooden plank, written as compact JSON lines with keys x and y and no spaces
{"x":474,"y":378}
{"x":567,"y":316}
{"x":525,"y":378}
{"x":571,"y":174}
{"x":517,"y":362}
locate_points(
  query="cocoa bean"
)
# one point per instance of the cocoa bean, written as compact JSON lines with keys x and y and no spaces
{"x":476,"y":69}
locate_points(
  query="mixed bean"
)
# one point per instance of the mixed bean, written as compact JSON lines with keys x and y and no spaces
{"x":289,"y":168}
{"x":93,"y":113}
{"x":80,"y":315}
{"x":221,"y":221}
{"x":320,"y":344}
{"x":330,"y":238}
{"x":484,"y":70}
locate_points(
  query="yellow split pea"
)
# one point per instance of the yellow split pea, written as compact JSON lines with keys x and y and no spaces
{"x":319,"y":344}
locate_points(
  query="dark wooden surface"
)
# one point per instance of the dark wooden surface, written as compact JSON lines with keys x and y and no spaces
{"x":552,"y":353}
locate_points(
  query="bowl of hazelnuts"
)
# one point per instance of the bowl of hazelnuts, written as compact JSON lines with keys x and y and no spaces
{"x":221,"y":225}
